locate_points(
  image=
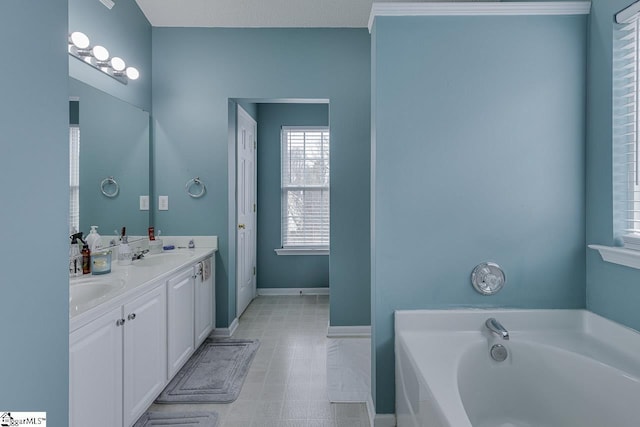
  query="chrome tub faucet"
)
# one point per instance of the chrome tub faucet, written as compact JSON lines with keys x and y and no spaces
{"x":496,"y":327}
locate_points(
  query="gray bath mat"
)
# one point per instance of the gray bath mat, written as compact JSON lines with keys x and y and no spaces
{"x":178,"y":419}
{"x":214,"y":374}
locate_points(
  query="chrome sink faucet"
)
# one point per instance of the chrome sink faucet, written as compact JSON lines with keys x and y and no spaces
{"x":139,"y":254}
{"x":496,"y":327}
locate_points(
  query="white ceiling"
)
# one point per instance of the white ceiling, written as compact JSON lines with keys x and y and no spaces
{"x":259,"y":13}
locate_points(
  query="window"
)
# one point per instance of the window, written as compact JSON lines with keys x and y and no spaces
{"x":626,"y":121}
{"x":626,"y":125}
{"x":305,"y":189}
{"x":74,"y":178}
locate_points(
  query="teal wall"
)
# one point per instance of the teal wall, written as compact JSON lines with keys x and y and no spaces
{"x":197,"y":73}
{"x":612,"y":290}
{"x":479,"y":155}
{"x":274,"y":271}
{"x":34,"y":136}
{"x":125,"y":32}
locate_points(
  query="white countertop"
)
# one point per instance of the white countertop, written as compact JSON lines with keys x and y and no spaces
{"x":131,"y":281}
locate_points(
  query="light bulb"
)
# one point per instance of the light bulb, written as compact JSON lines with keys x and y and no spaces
{"x":79,"y":40}
{"x":118,"y":63}
{"x":132,"y":73}
{"x":100,"y":53}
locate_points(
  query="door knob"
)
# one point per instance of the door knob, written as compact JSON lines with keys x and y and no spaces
{"x":241,"y":226}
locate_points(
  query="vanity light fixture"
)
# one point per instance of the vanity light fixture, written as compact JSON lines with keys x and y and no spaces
{"x":132,"y":73}
{"x":98,"y":57}
{"x":100,"y":53}
{"x":118,"y":64}
{"x":79,"y":40}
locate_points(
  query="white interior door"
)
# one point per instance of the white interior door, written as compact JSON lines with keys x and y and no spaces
{"x":246,"y":210}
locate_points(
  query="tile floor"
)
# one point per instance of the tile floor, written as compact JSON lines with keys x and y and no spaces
{"x":287,"y":383}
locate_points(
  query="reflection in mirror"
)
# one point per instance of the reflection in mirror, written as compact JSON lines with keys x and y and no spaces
{"x":112,"y":142}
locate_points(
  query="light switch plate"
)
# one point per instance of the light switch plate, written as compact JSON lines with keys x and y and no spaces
{"x":144,"y":203}
{"x":163,"y":203}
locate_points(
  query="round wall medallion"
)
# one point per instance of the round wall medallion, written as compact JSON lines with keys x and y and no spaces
{"x":488,"y":278}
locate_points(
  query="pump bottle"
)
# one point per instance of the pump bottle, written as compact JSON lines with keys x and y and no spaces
{"x":93,"y":239}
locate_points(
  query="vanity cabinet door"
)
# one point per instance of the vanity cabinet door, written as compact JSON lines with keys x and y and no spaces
{"x":95,"y":372}
{"x":205,"y":301}
{"x":180,"y":319}
{"x":145,"y":352}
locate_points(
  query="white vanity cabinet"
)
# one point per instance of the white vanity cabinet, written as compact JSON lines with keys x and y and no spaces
{"x":95,"y":372}
{"x":191,"y":310}
{"x":116,"y":362}
{"x":205,"y":314}
{"x":145,"y":352}
{"x":180,"y":319}
{"x":124,"y":351}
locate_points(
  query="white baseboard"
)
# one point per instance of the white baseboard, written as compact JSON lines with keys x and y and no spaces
{"x":292,"y":291}
{"x":379,"y":420}
{"x":349,"y":332}
{"x":226,"y":332}
{"x":384,"y":420}
{"x":371,"y":410}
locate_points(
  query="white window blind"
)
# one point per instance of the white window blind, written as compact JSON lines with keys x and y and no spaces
{"x":74,"y":179}
{"x":305,"y":187}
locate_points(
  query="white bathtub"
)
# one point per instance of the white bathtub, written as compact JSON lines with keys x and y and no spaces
{"x":566,"y":368}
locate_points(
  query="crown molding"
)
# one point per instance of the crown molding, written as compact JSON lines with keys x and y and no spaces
{"x":479,"y":9}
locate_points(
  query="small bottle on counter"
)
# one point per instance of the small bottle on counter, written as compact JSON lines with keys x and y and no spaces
{"x":86,"y":259}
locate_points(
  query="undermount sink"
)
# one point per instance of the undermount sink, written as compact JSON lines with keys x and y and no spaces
{"x":163,"y":258}
{"x":84,"y":291}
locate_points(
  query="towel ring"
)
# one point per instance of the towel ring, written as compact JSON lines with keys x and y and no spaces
{"x":109,"y":182}
{"x":195,"y":182}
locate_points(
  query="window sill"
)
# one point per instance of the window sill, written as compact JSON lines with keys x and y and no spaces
{"x":618,"y":255}
{"x":301,"y":251}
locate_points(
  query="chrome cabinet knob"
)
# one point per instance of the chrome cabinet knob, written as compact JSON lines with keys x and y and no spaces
{"x":120,"y":322}
{"x":131,"y":316}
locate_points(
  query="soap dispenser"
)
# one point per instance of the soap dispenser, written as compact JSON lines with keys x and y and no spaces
{"x":124,"y":251}
{"x":93,"y":239}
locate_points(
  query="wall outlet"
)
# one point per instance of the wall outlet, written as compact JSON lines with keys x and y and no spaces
{"x":163,"y":203}
{"x":144,"y":203}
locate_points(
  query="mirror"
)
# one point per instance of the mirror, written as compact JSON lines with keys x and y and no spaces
{"x":114,"y":142}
